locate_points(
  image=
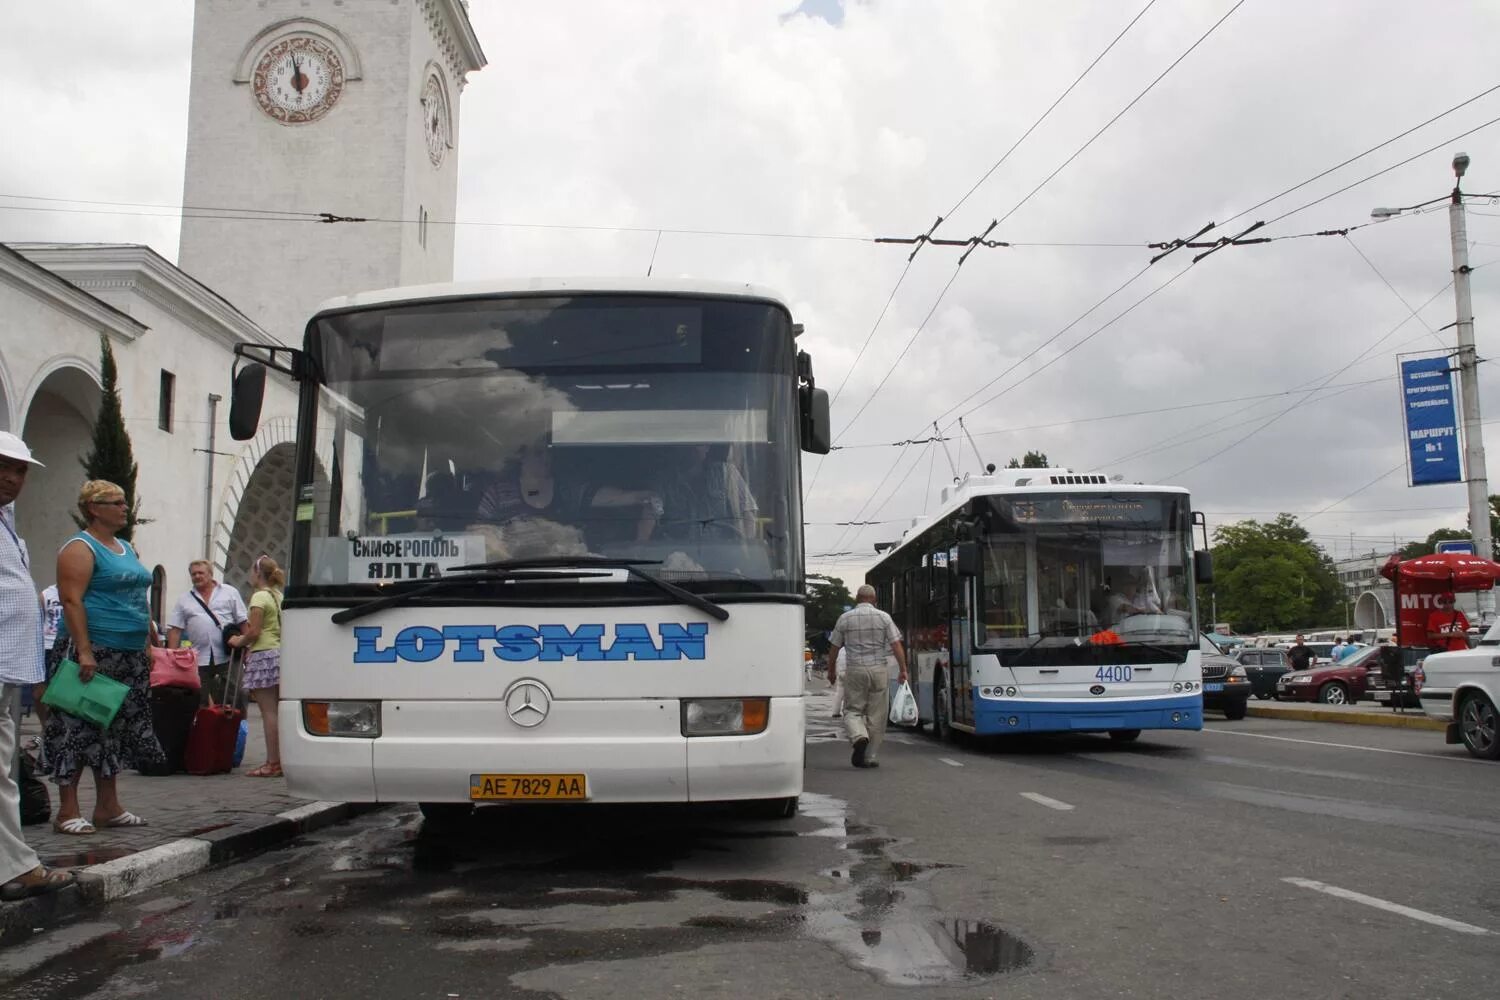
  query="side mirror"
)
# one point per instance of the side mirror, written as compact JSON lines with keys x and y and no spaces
{"x":968,"y":559}
{"x":245,"y":399}
{"x":1203,"y":566}
{"x":817,"y":423}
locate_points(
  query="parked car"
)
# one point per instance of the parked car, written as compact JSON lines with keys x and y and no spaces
{"x":1462,"y":688}
{"x":1264,"y":666}
{"x":1341,"y":683}
{"x":1225,"y":684}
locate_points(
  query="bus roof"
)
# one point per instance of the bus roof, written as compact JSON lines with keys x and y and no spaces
{"x":552,"y":286}
{"x":1018,"y":482}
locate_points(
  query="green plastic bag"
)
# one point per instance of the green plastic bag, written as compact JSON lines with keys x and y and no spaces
{"x":98,"y":701}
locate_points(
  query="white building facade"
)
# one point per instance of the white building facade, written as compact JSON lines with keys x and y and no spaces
{"x":297,"y":106}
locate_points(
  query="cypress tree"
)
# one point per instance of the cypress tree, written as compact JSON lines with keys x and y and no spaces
{"x":110,"y":456}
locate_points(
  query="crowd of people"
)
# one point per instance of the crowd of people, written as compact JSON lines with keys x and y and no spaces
{"x":96,"y":620}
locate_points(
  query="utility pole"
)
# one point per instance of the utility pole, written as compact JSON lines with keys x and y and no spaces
{"x":1477,"y":478}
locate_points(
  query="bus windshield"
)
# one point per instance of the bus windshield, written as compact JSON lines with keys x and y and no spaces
{"x":456,"y":432}
{"x":1086,"y":578}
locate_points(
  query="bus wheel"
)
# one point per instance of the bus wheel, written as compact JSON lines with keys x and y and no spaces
{"x":445,"y":813}
{"x":1124,"y":735}
{"x":771,"y":808}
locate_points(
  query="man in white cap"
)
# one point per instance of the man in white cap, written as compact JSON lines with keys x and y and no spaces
{"x":21,"y":874}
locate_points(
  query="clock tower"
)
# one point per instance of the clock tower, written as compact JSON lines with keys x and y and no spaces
{"x":306,"y":109}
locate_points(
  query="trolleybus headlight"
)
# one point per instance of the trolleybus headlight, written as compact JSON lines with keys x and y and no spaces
{"x":1010,"y":692}
{"x":725,"y":716}
{"x":1177,"y":688}
{"x":342,"y":718}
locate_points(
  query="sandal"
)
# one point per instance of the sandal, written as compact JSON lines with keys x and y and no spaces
{"x":77,"y":826}
{"x":46,"y":880}
{"x":126,"y":818}
{"x":266,"y":770}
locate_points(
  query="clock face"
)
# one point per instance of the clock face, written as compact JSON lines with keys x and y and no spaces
{"x":435,"y":123}
{"x":298,"y":79}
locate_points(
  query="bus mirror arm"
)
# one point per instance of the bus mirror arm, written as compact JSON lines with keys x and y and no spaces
{"x":248,"y":383}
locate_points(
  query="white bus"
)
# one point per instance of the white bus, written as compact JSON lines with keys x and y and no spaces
{"x":1037,"y":600}
{"x":547,"y":544}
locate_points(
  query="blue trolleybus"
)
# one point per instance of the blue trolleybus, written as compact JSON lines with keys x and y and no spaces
{"x":1038,"y":600}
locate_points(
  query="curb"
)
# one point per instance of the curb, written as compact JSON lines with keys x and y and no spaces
{"x":111,"y":880}
{"x":1349,"y":718}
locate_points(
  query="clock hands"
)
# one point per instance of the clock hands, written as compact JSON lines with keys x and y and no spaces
{"x":299,"y":81}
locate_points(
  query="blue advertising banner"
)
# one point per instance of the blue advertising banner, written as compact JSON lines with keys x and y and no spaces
{"x":1431,"y":411}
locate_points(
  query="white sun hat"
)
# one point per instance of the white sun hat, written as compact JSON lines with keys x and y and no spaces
{"x":14,"y":448}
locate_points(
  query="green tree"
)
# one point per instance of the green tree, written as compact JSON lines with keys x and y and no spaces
{"x":1033,"y":460}
{"x":1413,"y":549}
{"x":110,"y":456}
{"x":1272,"y":576}
{"x":827,"y":597}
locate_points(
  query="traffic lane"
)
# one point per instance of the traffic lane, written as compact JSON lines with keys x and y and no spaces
{"x":1160,"y":871}
{"x":566,"y":902}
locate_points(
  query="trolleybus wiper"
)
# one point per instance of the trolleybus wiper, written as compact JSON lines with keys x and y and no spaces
{"x":632,"y":566}
{"x":400,"y":597}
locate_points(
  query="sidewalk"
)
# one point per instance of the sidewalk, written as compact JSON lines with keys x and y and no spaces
{"x":195,"y":822}
{"x":1365,"y":713}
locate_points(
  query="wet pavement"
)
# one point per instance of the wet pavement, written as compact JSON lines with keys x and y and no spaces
{"x":518,"y":901}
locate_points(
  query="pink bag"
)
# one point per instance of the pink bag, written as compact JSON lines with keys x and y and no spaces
{"x":174,"y":668}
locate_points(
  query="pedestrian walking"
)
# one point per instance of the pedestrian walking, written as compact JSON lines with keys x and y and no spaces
{"x":21,"y":872}
{"x":869,"y":636}
{"x":208,"y":614}
{"x":262,"y":637}
{"x":106,"y":629}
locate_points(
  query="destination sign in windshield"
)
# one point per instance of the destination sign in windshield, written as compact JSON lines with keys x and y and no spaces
{"x":1084,"y":510}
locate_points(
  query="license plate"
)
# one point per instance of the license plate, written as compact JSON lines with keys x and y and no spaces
{"x":1213,"y":687}
{"x":549,"y":787}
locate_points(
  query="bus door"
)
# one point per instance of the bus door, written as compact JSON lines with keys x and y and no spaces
{"x":960,"y":640}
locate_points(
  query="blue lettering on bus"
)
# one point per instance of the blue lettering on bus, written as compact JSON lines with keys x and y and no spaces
{"x":519,"y":643}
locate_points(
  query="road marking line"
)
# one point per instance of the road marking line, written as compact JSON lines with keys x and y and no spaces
{"x":1042,"y":800}
{"x":950,"y":762}
{"x":1345,"y":746}
{"x":1389,"y":907}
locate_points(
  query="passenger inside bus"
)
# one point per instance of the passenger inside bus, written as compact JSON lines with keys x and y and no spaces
{"x":704,"y":497}
{"x":1129,"y":599}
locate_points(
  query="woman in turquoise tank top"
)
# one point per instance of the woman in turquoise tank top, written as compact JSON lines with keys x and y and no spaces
{"x":105,"y":629}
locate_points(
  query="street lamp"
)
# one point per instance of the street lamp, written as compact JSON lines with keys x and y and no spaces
{"x":1477,"y":478}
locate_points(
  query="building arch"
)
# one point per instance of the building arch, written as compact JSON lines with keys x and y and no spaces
{"x":10,"y":419}
{"x":1370,"y":611}
{"x":57,"y":423}
{"x":255,"y":514}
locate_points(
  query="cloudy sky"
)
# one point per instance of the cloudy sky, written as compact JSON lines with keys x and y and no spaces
{"x":790,"y":137}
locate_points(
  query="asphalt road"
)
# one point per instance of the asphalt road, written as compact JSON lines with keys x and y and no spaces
{"x":1256,"y":859}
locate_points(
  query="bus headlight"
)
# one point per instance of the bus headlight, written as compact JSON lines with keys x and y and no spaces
{"x":342,"y":718}
{"x":725,"y":716}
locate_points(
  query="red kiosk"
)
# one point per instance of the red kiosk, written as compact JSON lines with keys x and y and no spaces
{"x":1426,"y":616}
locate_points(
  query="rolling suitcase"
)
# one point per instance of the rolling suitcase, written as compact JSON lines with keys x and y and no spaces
{"x":172,"y":711}
{"x":210,"y":742}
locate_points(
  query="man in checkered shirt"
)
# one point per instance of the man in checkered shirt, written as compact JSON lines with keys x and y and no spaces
{"x":869,"y":636}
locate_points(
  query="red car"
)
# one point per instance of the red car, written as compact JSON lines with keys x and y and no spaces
{"x":1341,"y":683}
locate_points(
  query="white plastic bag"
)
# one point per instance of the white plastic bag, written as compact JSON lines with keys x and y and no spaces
{"x":904,"y":707}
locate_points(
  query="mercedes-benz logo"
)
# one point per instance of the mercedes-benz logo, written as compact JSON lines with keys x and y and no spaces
{"x":527,"y":703}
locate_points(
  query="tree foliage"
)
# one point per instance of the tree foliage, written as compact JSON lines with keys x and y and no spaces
{"x":1272,"y":576}
{"x":1033,"y":460}
{"x":1412,"y":550}
{"x":110,"y":456}
{"x":827,"y":597}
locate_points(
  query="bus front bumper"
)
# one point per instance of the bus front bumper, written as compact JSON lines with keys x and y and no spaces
{"x":1093,"y":716}
{"x":627,"y":750}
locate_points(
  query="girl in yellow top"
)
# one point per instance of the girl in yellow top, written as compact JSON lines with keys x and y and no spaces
{"x":262,"y":637}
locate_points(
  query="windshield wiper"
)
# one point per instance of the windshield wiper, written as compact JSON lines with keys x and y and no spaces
{"x":392,"y":600}
{"x":1155,"y":648}
{"x":631,"y":566}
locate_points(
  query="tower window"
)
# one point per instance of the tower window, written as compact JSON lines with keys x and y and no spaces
{"x":165,"y":404}
{"x":422,"y":226}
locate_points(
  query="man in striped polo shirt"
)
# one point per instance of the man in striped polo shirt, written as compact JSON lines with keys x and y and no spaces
{"x":868,"y":636}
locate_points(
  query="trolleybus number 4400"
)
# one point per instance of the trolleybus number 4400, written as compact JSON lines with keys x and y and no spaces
{"x":1114,"y":674}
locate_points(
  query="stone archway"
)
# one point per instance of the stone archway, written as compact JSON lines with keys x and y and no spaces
{"x":1371,"y":612}
{"x":58,"y":426}
{"x":256,"y":517}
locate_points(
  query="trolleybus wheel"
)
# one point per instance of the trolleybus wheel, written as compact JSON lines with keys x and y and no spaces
{"x":941,"y":731}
